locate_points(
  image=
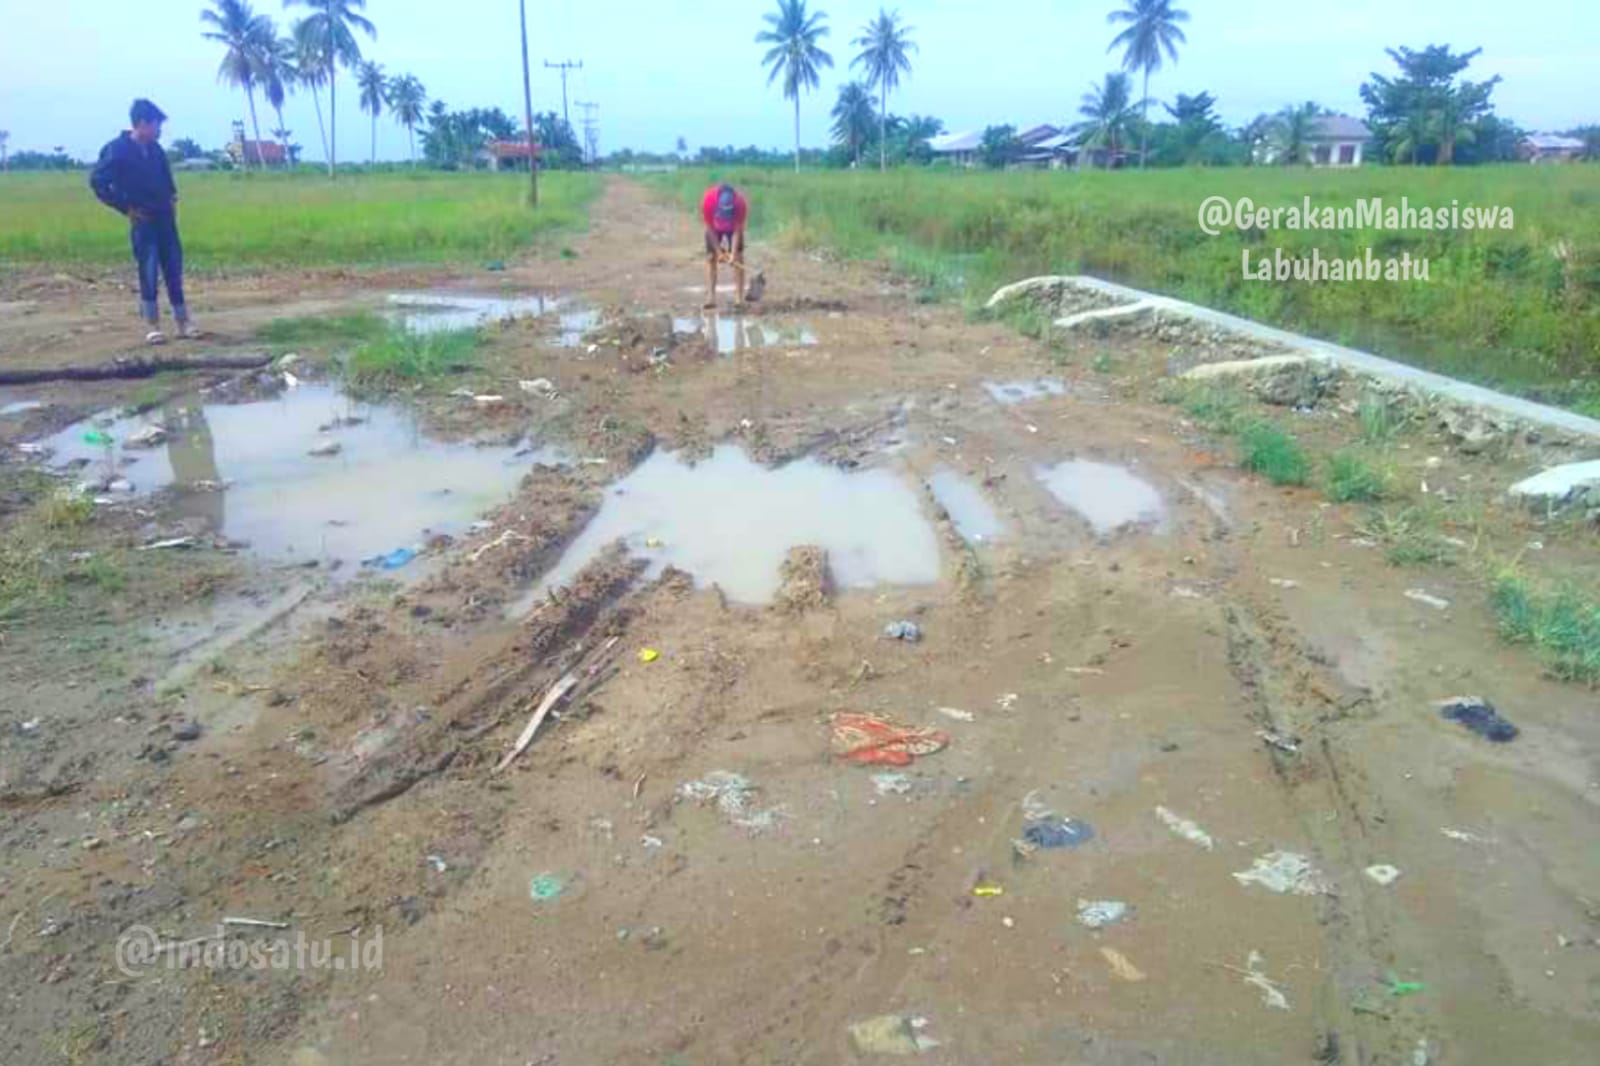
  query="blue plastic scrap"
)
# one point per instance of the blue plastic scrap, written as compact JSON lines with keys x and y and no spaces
{"x":392,"y":561}
{"x":1058,"y":833}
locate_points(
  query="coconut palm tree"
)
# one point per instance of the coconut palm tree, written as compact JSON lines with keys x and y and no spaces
{"x":1107,"y":111}
{"x":886,"y":48}
{"x":852,"y":118}
{"x":1152,"y":28}
{"x":311,"y":67}
{"x":407,"y":98}
{"x":795,"y":55}
{"x":1291,"y":133}
{"x":278,"y":78}
{"x":336,"y":22}
{"x":374,"y":86}
{"x":244,"y":36}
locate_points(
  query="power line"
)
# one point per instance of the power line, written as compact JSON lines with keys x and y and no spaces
{"x":591,"y":131}
{"x":564,"y":66}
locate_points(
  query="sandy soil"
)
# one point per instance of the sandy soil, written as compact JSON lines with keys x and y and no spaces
{"x":345,"y":782}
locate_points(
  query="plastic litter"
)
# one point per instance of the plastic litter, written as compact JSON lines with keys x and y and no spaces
{"x":546,"y":887}
{"x":1384,"y":874}
{"x":892,"y":1034}
{"x":94,"y":436}
{"x":1122,"y":968}
{"x":325,"y":447}
{"x":1271,"y":994}
{"x":986,"y":890}
{"x":1479,"y":716}
{"x":957,"y":714}
{"x":734,"y":795}
{"x":1058,"y":833}
{"x":1185,"y":828}
{"x":1097,"y":914}
{"x":392,"y":561}
{"x":1425,"y":597}
{"x":892,"y":784}
{"x":147,"y":437}
{"x":874,"y":740}
{"x":438,"y":863}
{"x":1399,"y":989}
{"x":648,"y":655}
{"x":1284,"y":872}
{"x":909,"y":632}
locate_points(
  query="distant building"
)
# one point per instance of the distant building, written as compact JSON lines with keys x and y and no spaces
{"x":958,"y":148}
{"x":1550,"y":148}
{"x":1337,"y":141}
{"x":255,"y":153}
{"x":509,"y":155}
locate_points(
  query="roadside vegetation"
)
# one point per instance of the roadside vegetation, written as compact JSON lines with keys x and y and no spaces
{"x":44,"y":553}
{"x":1519,"y":309}
{"x":248,"y":221}
{"x":401,"y":358}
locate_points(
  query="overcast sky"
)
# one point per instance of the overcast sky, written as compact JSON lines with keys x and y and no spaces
{"x":691,"y":68}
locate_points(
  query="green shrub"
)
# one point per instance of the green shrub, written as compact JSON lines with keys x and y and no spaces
{"x":1274,"y":454}
{"x":1351,"y":479}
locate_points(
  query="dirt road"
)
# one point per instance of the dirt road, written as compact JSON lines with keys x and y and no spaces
{"x":1190,"y":677}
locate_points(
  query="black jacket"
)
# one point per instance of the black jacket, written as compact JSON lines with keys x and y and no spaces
{"x":132,"y":175}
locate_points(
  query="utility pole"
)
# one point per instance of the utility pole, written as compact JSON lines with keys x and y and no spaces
{"x":564,"y":66}
{"x":527,"y":110}
{"x":591,"y":131}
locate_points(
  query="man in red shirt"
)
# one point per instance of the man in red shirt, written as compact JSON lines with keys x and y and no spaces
{"x":724,"y":210}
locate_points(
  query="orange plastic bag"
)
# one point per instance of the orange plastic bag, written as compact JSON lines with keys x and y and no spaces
{"x":872,"y":740}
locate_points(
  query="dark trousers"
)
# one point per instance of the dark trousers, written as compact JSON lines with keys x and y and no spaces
{"x":159,"y":254}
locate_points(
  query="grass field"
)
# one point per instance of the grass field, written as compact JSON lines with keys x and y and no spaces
{"x":1519,"y":309}
{"x":244,"y":221}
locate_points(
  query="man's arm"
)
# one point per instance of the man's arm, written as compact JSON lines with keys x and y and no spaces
{"x":103,"y":180}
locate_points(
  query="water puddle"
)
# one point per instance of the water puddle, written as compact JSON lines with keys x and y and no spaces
{"x":243,"y":470}
{"x":575,"y":325}
{"x":730,"y":521}
{"x":966,"y":505}
{"x":1107,"y":496}
{"x":735,"y":334}
{"x":1011,"y":393}
{"x":21,"y":407}
{"x":444,"y":312}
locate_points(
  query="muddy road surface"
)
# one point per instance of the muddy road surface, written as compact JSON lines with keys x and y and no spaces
{"x":940,"y":694}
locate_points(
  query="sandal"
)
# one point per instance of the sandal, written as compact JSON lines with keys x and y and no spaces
{"x":155,"y":337}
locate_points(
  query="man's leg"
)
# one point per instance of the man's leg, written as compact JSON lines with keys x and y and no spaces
{"x":711,"y":270}
{"x":738,"y":267}
{"x":172,"y":269}
{"x":147,"y":258}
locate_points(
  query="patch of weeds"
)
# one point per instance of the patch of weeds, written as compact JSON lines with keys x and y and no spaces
{"x":150,"y":395}
{"x":1407,"y":537}
{"x":405,"y":358}
{"x":1212,"y":405}
{"x":1275,"y":455}
{"x":1562,"y":625}
{"x":1379,"y":421}
{"x":1351,"y":479}
{"x":324,"y":331}
{"x":1103,"y":363}
{"x":568,"y":253}
{"x":64,"y":510}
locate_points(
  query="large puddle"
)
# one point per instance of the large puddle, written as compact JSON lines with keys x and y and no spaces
{"x":966,"y":505}
{"x":244,"y":470}
{"x":1107,"y":496}
{"x":732,"y":334}
{"x":444,"y":312}
{"x":731,"y":522}
{"x":1011,"y":393}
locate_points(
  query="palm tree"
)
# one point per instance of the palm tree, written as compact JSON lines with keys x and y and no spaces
{"x":1291,"y":135}
{"x":311,"y":67}
{"x":244,"y":34}
{"x":886,"y":48}
{"x":407,"y":98}
{"x":852,"y":117}
{"x":278,"y":77}
{"x":1410,"y":135}
{"x":336,"y":22}
{"x":1107,"y":110}
{"x":1152,"y":29}
{"x":374,"y":95}
{"x":5,"y":139}
{"x":795,"y":54}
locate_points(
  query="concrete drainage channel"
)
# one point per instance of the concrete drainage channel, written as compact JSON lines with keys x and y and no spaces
{"x":1081,"y":302}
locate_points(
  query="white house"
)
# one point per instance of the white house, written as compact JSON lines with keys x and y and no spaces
{"x":958,"y":148}
{"x":1551,"y":148}
{"x":1337,"y":141}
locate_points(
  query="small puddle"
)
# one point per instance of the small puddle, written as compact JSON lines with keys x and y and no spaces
{"x":444,"y":312}
{"x":1010,"y":393}
{"x":731,"y":522}
{"x":734,"y":334}
{"x":966,"y":505}
{"x":244,"y":472}
{"x":1107,"y":496}
{"x":21,"y":407}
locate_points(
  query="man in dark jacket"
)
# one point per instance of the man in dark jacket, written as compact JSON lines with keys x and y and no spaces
{"x":132,"y":177}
